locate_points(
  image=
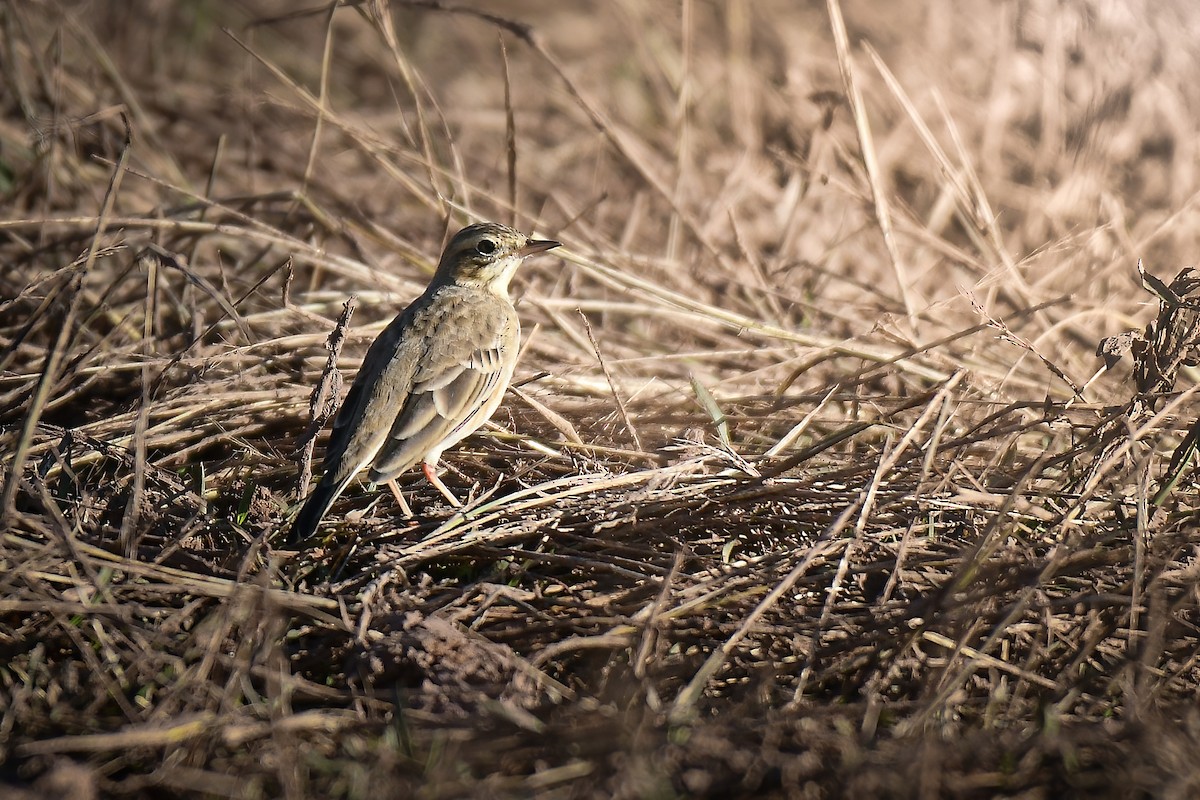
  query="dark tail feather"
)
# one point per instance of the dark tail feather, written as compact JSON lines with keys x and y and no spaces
{"x":314,"y":510}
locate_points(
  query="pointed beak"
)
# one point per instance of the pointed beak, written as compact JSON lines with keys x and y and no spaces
{"x":533,"y":246}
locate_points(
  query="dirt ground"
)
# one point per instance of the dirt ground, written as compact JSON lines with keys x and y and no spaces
{"x":811,"y":482}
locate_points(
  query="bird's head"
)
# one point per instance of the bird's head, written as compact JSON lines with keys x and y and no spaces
{"x":486,"y":255}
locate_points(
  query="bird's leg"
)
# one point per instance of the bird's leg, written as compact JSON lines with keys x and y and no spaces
{"x":400,"y":501}
{"x":431,"y":476}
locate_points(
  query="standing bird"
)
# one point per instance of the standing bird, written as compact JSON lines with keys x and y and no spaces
{"x":434,"y":375}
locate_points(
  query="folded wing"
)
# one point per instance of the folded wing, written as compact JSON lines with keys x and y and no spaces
{"x":455,"y":385}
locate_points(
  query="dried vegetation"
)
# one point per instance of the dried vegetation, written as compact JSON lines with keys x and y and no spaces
{"x":811,"y":485}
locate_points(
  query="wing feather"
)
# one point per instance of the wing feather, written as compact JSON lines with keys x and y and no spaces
{"x":386,"y":372}
{"x":464,"y":367}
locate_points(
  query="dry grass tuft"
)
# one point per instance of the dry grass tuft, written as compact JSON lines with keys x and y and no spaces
{"x":812,"y":483}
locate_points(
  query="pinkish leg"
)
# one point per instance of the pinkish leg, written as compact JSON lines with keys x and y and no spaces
{"x":400,"y":501}
{"x":431,"y":476}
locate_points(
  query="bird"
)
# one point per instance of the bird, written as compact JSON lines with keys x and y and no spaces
{"x":433,"y":376}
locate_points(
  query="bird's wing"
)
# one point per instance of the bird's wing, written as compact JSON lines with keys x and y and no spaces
{"x":366,"y":415}
{"x":464,"y":365}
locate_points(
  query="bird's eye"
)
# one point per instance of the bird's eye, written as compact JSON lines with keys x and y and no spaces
{"x":485,"y":247}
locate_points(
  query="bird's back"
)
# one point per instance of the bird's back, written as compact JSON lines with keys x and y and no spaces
{"x":441,"y":358}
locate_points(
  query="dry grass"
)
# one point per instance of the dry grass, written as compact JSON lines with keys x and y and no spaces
{"x":811,"y":485}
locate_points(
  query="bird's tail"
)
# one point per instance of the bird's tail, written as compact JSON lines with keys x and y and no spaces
{"x":313,"y":511}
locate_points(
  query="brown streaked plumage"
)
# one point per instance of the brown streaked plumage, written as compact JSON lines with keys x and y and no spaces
{"x":434,"y":375}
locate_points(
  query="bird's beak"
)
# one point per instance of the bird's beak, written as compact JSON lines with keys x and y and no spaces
{"x":533,"y":246}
